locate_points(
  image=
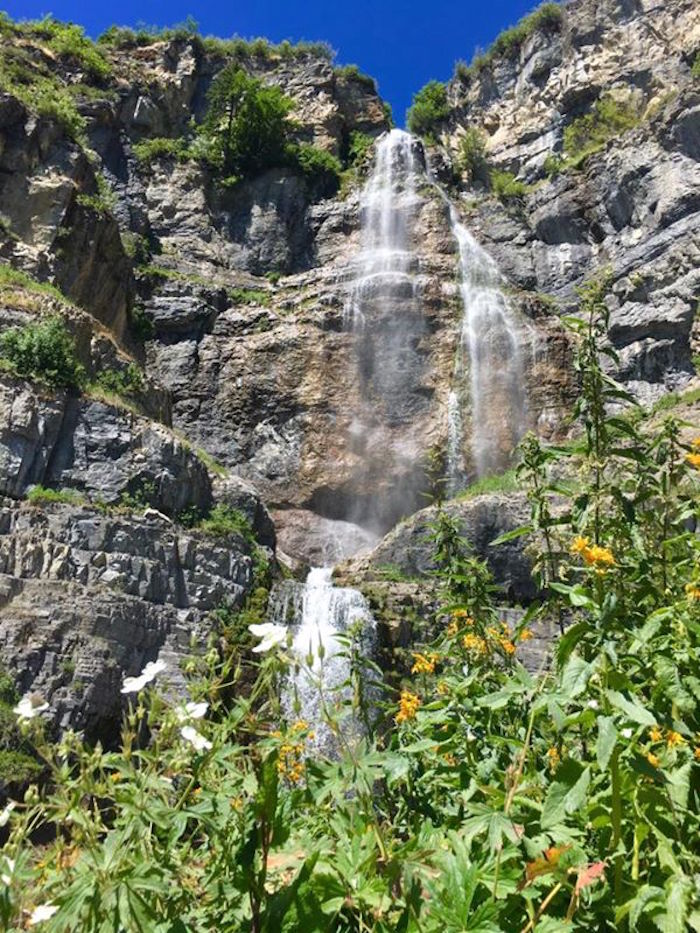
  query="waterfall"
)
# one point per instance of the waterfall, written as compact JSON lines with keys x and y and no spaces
{"x":319,"y":612}
{"x":490,"y":358}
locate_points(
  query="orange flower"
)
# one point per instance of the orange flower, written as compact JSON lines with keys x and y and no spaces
{"x":408,"y":707}
{"x":475,"y":644}
{"x":693,"y":460}
{"x":655,"y":734}
{"x":526,"y":634}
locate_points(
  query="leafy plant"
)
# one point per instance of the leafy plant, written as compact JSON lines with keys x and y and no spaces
{"x":161,"y":147}
{"x":506,"y":186}
{"x":42,"y":495}
{"x":428,"y":110}
{"x":353,"y":73}
{"x":471,"y":157}
{"x":317,"y":164}
{"x":127,"y":381}
{"x":547,"y":17}
{"x":590,"y":133}
{"x":43,"y":350}
{"x":14,"y":280}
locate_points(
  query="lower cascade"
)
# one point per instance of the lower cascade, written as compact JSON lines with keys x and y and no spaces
{"x":318,"y":613}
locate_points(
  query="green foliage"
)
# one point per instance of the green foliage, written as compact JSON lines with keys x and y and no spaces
{"x":428,"y":110}
{"x":12,"y":280}
{"x":246,"y":129}
{"x":481,"y":795}
{"x":248,"y":296}
{"x":245,"y":50}
{"x":223,"y":521}
{"x":506,"y":186}
{"x":359,"y":148}
{"x":471,"y":157}
{"x":388,"y":112}
{"x":123,"y":37}
{"x":211,"y":463}
{"x":18,"y":768}
{"x":140,"y":324}
{"x":508,"y":43}
{"x":161,"y":147}
{"x":486,"y":485}
{"x":317,"y":164}
{"x":695,"y":69}
{"x":128,"y":381}
{"x":553,"y":165}
{"x":42,"y":495}
{"x":68,"y":41}
{"x":42,"y":350}
{"x":103,"y":201}
{"x":610,"y":117}
{"x":353,"y":73}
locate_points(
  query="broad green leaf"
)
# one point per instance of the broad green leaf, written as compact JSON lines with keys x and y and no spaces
{"x":679,"y":785}
{"x":631,"y":708}
{"x":607,"y":737}
{"x":575,"y":676}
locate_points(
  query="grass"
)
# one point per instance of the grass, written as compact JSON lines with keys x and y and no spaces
{"x":509,"y":42}
{"x":122,"y":382}
{"x":211,"y":463}
{"x":18,"y":768}
{"x":353,"y":73}
{"x":506,"y":186}
{"x":14,"y":281}
{"x":248,"y":296}
{"x":161,"y":147}
{"x":223,"y":521}
{"x":490,"y":485}
{"x":103,"y":201}
{"x":42,"y":495}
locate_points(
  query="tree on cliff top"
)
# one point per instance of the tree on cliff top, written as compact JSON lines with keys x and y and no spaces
{"x":246,"y":126}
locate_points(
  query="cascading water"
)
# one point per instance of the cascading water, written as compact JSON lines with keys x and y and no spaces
{"x":490,"y":350}
{"x":319,"y":612}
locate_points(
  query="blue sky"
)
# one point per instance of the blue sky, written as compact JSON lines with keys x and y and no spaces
{"x":402,"y":44}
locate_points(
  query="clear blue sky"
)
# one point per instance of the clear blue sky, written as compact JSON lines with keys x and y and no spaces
{"x":401,"y":44}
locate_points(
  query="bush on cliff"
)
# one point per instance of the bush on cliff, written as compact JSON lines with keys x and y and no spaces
{"x":43,"y":350}
{"x":428,"y":110}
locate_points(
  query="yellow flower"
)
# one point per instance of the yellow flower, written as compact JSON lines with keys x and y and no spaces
{"x":442,"y":688}
{"x":579,"y":545}
{"x":507,"y":646}
{"x":408,"y":707}
{"x":598,"y":555}
{"x":693,"y":460}
{"x":692,"y":590}
{"x":553,"y":758}
{"x":696,"y":753}
{"x":475,"y":644}
{"x":301,"y":725}
{"x":655,"y":734}
{"x":695,"y":443}
{"x":450,"y":759}
{"x":653,"y":760}
{"x":424,"y":664}
{"x":526,"y":634}
{"x":674,"y":738}
{"x":452,"y":628}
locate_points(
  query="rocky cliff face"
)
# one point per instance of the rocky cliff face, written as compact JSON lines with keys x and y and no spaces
{"x":232,"y":302}
{"x":632,"y":206}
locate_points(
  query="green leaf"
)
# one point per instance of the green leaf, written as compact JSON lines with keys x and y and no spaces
{"x":554,"y":807}
{"x":577,"y":794}
{"x":631,"y":708}
{"x":511,"y":535}
{"x":607,"y":737}
{"x":679,"y":785}
{"x":575,"y":676}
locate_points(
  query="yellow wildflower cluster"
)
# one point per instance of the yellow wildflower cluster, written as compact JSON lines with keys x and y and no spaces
{"x":600,"y":558}
{"x":502,"y":637}
{"x":694,"y":458}
{"x":673,"y":739}
{"x":408,"y":707}
{"x":653,"y":759}
{"x":424,"y":663}
{"x":553,"y":758}
{"x":290,"y":762}
{"x":692,"y":590}
{"x":526,"y":634}
{"x":460,"y":619}
{"x":475,"y":644}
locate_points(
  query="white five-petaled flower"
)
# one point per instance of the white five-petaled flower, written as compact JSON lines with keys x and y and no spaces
{"x":149,"y":673}
{"x":196,"y":739}
{"x":30,"y":706}
{"x":5,"y":814}
{"x":7,"y":878}
{"x":41,"y":913}
{"x":271,"y":635}
{"x":192,"y":711}
{"x":592,"y":704}
{"x":626,"y":733}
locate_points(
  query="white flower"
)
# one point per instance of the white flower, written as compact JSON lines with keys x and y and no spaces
{"x":272,"y":635}
{"x":149,"y":673}
{"x":626,"y":733}
{"x":592,"y":704}
{"x":191,"y":711}
{"x":30,"y":706}
{"x":41,"y":913}
{"x":196,"y":739}
{"x":5,"y":815}
{"x":6,"y":879}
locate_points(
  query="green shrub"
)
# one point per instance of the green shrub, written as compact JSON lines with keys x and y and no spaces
{"x":69,"y":41}
{"x":42,"y":495}
{"x":509,"y":42}
{"x":589,"y":133}
{"x":140,"y":324}
{"x":161,"y":147}
{"x":224,"y":520}
{"x":317,"y":164}
{"x":246,"y":128}
{"x":124,"y":37}
{"x":388,"y":112}
{"x":42,"y":350}
{"x":506,"y":186}
{"x":471,"y":157}
{"x":248,"y":296}
{"x":359,"y":147}
{"x":103,"y":201}
{"x":695,"y":69}
{"x":428,"y":110}
{"x":126,"y":382}
{"x":490,"y":485}
{"x":353,"y":73}
{"x":553,"y":165}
